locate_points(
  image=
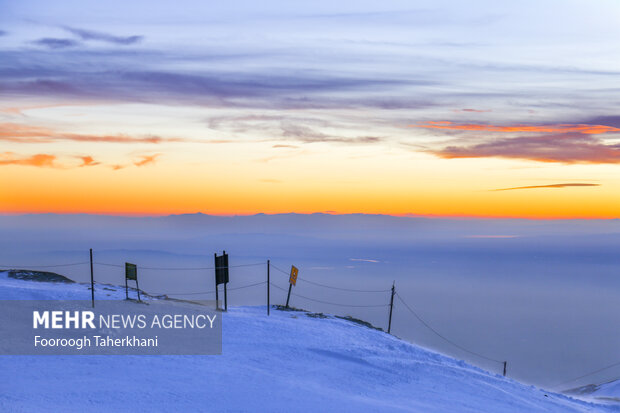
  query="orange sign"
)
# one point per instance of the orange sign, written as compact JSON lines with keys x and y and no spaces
{"x":293,"y":278}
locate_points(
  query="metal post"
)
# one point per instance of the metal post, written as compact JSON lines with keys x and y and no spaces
{"x":126,"y":289}
{"x":505,"y":363}
{"x":288,"y":297}
{"x":391,"y":307}
{"x":225,"y":298}
{"x":268,"y":265}
{"x":92,"y":279}
{"x":137,"y":286}
{"x":217,"y":304}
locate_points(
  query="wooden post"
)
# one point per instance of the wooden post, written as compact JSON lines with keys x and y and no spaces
{"x":217,"y":304}
{"x":92,"y":279}
{"x":505,"y":363}
{"x":268,"y":265}
{"x":288,"y":297}
{"x":391,"y":307}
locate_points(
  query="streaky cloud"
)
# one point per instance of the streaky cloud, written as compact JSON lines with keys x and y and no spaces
{"x":104,"y":37}
{"x":53,"y":43}
{"x":561,"y":148}
{"x":567,"y":185}
{"x":19,"y":133}
{"x":39,"y":160}
{"x":590,"y":129}
{"x":147,"y":159}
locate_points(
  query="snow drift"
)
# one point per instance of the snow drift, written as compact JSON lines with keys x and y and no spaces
{"x":290,"y":361}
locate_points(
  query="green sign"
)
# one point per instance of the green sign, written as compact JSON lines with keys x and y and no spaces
{"x":131,"y":271}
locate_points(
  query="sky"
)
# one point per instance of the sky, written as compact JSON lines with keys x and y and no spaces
{"x":443,"y":108}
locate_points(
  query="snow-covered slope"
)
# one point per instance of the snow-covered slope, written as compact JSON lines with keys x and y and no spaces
{"x":290,"y":361}
{"x":602,"y":393}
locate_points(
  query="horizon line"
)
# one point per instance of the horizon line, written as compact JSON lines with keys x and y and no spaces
{"x":407,"y":215}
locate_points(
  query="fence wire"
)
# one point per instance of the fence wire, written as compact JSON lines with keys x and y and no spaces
{"x":442,"y":336}
{"x":330,"y":286}
{"x":329,"y":302}
{"x":44,"y":266}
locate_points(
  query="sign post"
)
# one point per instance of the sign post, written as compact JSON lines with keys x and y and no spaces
{"x":92,"y":279}
{"x":292,"y":280}
{"x":391,"y":307}
{"x":131,"y":273}
{"x":268,"y":265}
{"x":221,"y":276}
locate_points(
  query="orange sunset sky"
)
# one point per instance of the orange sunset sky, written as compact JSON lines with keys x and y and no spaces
{"x":319,"y":108}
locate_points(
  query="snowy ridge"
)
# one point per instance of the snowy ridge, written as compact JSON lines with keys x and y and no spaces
{"x":287,"y":362}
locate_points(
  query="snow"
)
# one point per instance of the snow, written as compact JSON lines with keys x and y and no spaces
{"x":286,"y":362}
{"x":600,"y":393}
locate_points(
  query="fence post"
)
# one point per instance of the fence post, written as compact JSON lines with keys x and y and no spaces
{"x":268,"y":265}
{"x":92,"y":279}
{"x":288,"y":297}
{"x":505,"y":363}
{"x":217,"y":304}
{"x":137,"y":285}
{"x":391,"y":307}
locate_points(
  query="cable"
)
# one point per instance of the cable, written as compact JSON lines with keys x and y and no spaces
{"x":443,"y":337}
{"x":196,"y":293}
{"x":328,"y":302}
{"x":246,"y":286}
{"x":182,"y":268}
{"x":330,"y":286}
{"x":44,"y":266}
{"x":109,"y":265}
{"x":209,"y":292}
{"x":586,"y":375}
{"x":342,"y":289}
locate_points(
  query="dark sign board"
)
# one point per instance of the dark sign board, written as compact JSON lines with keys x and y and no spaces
{"x":131,"y":271}
{"x":221,"y":269}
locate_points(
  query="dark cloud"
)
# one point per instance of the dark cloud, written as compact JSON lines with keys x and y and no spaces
{"x":564,"y":148}
{"x":104,"y":37}
{"x":568,"y":185}
{"x":110,"y":75}
{"x":613,"y":121}
{"x":53,"y":43}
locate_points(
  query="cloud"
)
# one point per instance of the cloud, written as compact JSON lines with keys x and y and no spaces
{"x":308,"y":135}
{"x":104,"y":37}
{"x":39,"y":160}
{"x":88,"y":161}
{"x":14,"y":132}
{"x":3,"y":33}
{"x":53,"y":43}
{"x":285,"y":146}
{"x":147,"y":159}
{"x":139,"y":76}
{"x":491,"y":236}
{"x":563,"y":148}
{"x":588,"y":129}
{"x":606,"y":120}
{"x":568,"y":185}
{"x":473,"y":110}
